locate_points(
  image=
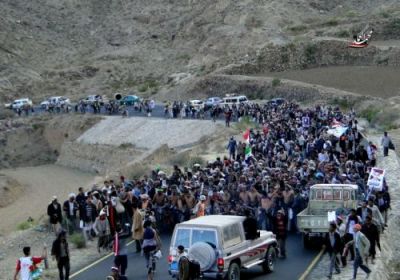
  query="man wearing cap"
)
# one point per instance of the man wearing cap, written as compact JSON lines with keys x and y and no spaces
{"x":54,"y":213}
{"x":101,"y":227}
{"x":361,"y":246}
{"x":70,"y":208}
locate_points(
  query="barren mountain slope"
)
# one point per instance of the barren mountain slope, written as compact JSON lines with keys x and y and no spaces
{"x":76,"y":47}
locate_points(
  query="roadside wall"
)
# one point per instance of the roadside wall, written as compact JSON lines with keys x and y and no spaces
{"x":97,"y":158}
{"x":116,"y":142}
{"x":313,"y":54}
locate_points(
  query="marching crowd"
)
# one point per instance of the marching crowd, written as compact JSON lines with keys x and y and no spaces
{"x":268,"y":174}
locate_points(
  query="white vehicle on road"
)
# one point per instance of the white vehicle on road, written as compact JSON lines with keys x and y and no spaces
{"x":212,"y":101}
{"x":62,"y":100}
{"x":218,"y":243}
{"x":20,"y":103}
{"x":233,"y":99}
{"x":93,"y":98}
{"x":197,"y":104}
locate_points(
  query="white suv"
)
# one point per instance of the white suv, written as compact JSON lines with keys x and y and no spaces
{"x":62,"y":100}
{"x":20,"y":103}
{"x":219,"y":245}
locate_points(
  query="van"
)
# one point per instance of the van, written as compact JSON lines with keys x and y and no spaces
{"x":234,"y":100}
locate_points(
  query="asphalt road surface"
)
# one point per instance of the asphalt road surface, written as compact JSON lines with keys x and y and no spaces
{"x":157,"y":112}
{"x":297,"y":261}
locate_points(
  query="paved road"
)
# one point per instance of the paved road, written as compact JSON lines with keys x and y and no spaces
{"x":289,"y":269}
{"x":157,"y":112}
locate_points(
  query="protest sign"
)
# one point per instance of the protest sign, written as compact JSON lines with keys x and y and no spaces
{"x":375,"y":179}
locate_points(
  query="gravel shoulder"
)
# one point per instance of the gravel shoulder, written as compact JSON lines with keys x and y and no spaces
{"x":41,"y":183}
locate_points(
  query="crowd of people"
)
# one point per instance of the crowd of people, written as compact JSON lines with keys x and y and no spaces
{"x":266,"y":175}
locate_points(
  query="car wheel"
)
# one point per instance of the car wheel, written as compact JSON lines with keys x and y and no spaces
{"x":269,"y":264}
{"x":233,"y":272}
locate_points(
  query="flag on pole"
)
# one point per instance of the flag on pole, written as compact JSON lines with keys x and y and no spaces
{"x":246,"y":136}
{"x":247,"y":152}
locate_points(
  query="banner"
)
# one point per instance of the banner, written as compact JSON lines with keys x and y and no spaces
{"x":375,"y":179}
{"x":337,"y":131}
{"x":306,"y":122}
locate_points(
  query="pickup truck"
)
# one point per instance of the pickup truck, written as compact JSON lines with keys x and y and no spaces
{"x":313,"y":221}
{"x":218,"y":244}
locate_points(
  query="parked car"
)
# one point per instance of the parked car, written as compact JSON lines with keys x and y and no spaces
{"x":129,"y":100}
{"x":313,"y":221}
{"x":276,"y":101}
{"x":219,"y":244}
{"x":93,"y":98}
{"x":197,"y":104}
{"x":232,"y":99}
{"x":62,"y":100}
{"x":212,"y":101}
{"x":20,"y":103}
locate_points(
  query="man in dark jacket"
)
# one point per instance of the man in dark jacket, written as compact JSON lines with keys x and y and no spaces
{"x":54,"y":213}
{"x":371,"y":231}
{"x":88,"y":214}
{"x":60,"y":252}
{"x":333,"y":245}
{"x":250,"y":226}
{"x":70,"y":208}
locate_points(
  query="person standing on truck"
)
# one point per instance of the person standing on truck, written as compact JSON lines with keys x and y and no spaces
{"x":250,"y":226}
{"x":280,"y":230}
{"x":333,"y":245}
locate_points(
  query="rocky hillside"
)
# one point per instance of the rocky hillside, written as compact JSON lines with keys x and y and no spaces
{"x":75,"y":47}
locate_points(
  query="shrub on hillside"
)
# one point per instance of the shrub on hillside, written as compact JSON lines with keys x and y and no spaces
{"x":392,"y":28}
{"x":78,"y":240}
{"x":24,"y":225}
{"x":343,"y":34}
{"x":370,"y":114}
{"x":276,"y":82}
{"x":343,"y":103}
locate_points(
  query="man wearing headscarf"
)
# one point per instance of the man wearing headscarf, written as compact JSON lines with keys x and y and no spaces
{"x":361,"y":247}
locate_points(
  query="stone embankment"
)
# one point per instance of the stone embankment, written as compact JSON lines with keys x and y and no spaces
{"x":387,"y":264}
{"x":257,"y":87}
{"x":115,"y":142}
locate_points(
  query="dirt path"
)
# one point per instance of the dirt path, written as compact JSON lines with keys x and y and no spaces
{"x":42,"y":182}
{"x":367,"y":80}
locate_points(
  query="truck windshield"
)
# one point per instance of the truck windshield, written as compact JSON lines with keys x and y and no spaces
{"x":329,"y":194}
